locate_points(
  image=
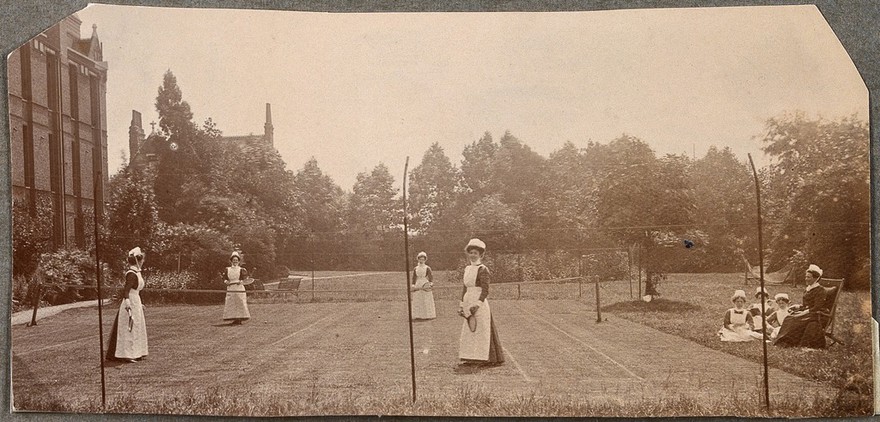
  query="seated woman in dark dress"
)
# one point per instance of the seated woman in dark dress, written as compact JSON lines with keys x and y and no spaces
{"x":805,"y":326}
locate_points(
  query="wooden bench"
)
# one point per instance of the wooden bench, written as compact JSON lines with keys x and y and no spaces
{"x":290,"y":283}
{"x":284,"y":287}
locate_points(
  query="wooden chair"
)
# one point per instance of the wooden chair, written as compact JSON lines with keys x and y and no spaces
{"x":833,"y":287}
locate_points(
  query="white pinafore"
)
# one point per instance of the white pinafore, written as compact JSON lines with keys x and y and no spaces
{"x":475,"y":345}
{"x":236,"y":303}
{"x":132,"y":344}
{"x":422,"y":301}
{"x":740,"y":331}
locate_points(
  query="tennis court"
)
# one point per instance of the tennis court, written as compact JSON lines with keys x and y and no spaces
{"x":553,"y":348}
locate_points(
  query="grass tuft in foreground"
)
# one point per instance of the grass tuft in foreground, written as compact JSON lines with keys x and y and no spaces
{"x":470,"y":400}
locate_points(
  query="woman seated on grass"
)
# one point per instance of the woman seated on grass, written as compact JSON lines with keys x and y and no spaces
{"x":738,"y":325}
{"x":755,"y":309}
{"x":775,"y":320}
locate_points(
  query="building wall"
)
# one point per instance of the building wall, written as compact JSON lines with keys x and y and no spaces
{"x":57,"y":103}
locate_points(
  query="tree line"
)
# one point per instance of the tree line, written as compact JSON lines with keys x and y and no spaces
{"x":208,"y":196}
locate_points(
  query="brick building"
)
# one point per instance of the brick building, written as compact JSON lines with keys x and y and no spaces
{"x":144,"y":150}
{"x":266,"y":139}
{"x":58,"y":129}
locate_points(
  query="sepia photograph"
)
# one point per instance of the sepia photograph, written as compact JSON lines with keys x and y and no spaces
{"x":615,"y":213}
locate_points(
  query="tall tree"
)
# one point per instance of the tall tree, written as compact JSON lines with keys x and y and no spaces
{"x":570,"y":207}
{"x":476,"y":167}
{"x":175,"y":116}
{"x":819,"y":189}
{"x":374,"y":215}
{"x":133,"y":216}
{"x":432,"y":188}
{"x":320,"y":199}
{"x":643,"y":200}
{"x":372,"y":206}
{"x":496,"y":223}
{"x":321,"y":204}
{"x":517,"y":174}
{"x":180,"y":162}
{"x":255,"y":172}
{"x":723,"y":193}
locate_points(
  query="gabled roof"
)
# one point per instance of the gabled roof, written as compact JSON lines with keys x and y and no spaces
{"x":90,"y":47}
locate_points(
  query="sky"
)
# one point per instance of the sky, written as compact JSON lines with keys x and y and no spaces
{"x":356,"y":90}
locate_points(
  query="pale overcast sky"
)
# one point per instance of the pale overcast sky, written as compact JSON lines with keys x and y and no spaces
{"x":354,"y":90}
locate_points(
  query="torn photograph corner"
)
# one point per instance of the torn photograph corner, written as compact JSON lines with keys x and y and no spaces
{"x":656,"y":212}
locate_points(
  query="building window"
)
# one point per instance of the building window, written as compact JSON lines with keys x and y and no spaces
{"x":28,"y":141}
{"x":74,"y":91}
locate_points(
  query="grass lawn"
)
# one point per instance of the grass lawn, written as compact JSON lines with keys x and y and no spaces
{"x":693,"y":305}
{"x":348,"y":353}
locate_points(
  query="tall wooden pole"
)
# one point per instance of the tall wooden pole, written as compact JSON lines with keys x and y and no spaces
{"x":98,"y":181}
{"x":763,"y":302}
{"x":412,"y":353}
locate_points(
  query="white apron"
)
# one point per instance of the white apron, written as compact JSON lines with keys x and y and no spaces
{"x":131,"y":335}
{"x":740,"y":331}
{"x":780,"y":318}
{"x":475,"y":345}
{"x":422,"y":301}
{"x":236,"y":303}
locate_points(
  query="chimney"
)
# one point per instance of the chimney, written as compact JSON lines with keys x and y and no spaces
{"x":268,"y":129}
{"x":135,"y":135}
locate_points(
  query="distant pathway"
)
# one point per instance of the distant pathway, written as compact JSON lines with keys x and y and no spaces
{"x":24,"y":317}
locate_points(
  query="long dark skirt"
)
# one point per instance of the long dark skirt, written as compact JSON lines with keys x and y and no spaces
{"x":802,"y":331}
{"x":111,"y":344}
{"x":496,"y":356}
{"x":495,"y":353}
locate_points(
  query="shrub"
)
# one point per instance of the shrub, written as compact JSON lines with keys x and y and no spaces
{"x":197,"y":249}
{"x":22,"y":289}
{"x":167,"y":280}
{"x":171,"y":280}
{"x":30,"y":236}
{"x":71,"y":267}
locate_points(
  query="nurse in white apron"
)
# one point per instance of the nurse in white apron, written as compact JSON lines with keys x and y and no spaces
{"x":128,"y":338}
{"x":422,"y":296}
{"x":479,"y":343}
{"x":235,"y":277}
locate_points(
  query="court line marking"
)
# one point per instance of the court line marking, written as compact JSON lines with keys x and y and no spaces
{"x":581,"y":342}
{"x":300,"y":330}
{"x":27,"y":352}
{"x":516,"y":364}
